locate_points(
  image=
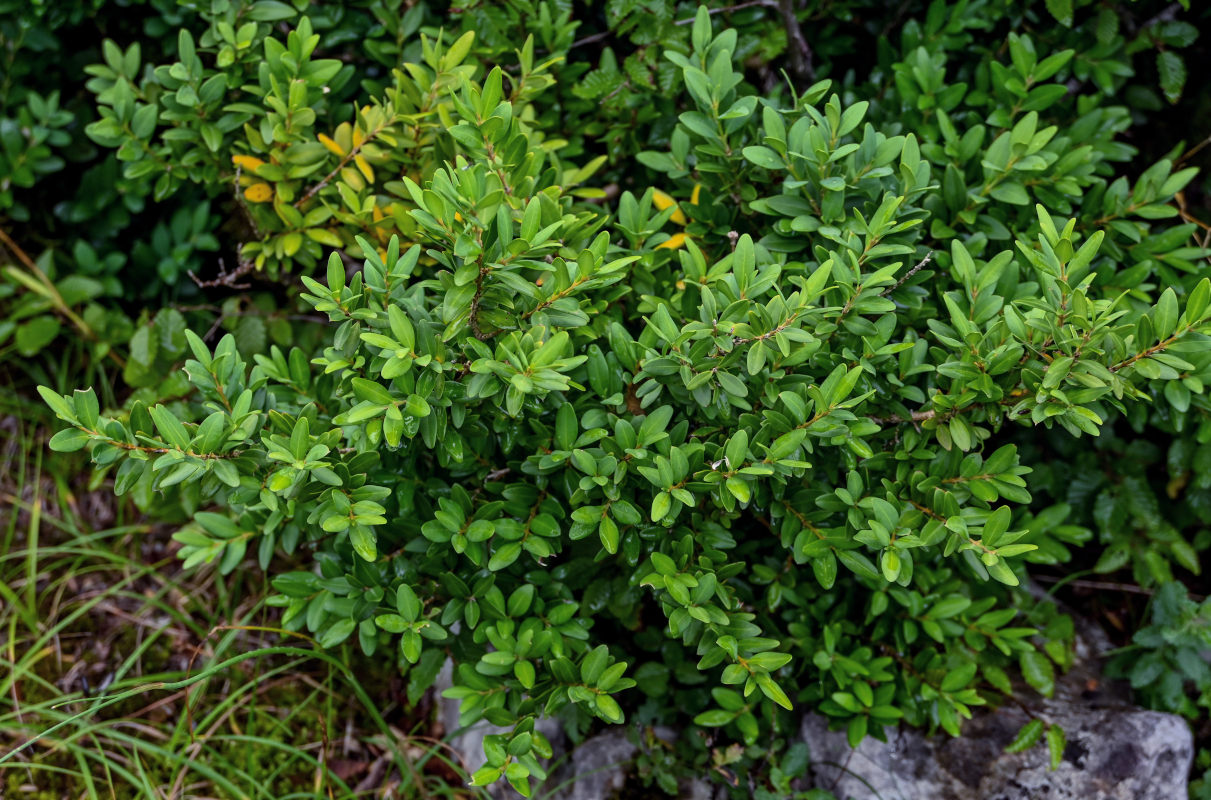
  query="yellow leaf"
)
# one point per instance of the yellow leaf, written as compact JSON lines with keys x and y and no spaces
{"x":247,"y":162}
{"x":350,"y":176}
{"x":364,"y":166}
{"x":358,"y":137}
{"x":328,"y":142}
{"x":259,"y":193}
{"x":694,"y":196}
{"x":664,"y":201}
{"x":673,"y":242}
{"x":379,"y":230}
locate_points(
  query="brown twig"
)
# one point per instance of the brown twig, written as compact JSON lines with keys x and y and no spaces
{"x":800,"y":53}
{"x":1106,"y":586}
{"x":727,"y":9}
{"x":896,"y":419}
{"x":593,"y":37}
{"x":227,"y":279}
{"x":344,"y":162}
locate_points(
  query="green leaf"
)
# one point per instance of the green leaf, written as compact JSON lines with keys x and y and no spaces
{"x":1057,"y":742}
{"x":663,"y":564}
{"x":218,"y":525}
{"x":739,"y":489}
{"x":1165,"y":314}
{"x":714,"y":718}
{"x":364,"y":541}
{"x":505,"y":556}
{"x":773,"y":691}
{"x":764,"y":157}
{"x":271,"y":11}
{"x":660,"y":506}
{"x":1062,"y":11}
{"x":1038,"y":671}
{"x":407,"y":603}
{"x":608,"y":532}
{"x":36,"y":334}
{"x":594,"y":664}
{"x":1027,"y":737}
{"x":1172,"y":69}
{"x":336,"y":633}
{"x":566,"y":427}
{"x":69,"y":440}
{"x":61,"y":405}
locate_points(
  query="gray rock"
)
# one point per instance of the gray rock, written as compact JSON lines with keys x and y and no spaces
{"x":595,"y":770}
{"x":599,"y":767}
{"x":1112,"y":754}
{"x":1115,"y":751}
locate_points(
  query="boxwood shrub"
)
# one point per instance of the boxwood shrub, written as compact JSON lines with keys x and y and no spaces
{"x":740,"y":439}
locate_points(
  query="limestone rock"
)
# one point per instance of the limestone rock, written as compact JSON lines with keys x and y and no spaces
{"x":1113,"y":753}
{"x":596,"y":769}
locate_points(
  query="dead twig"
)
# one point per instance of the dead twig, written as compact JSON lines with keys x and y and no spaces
{"x":896,"y":419}
{"x":728,"y":9}
{"x":800,"y":53}
{"x":909,"y":274}
{"x":227,"y":279}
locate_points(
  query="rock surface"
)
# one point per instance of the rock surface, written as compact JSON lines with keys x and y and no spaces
{"x":595,"y":770}
{"x":1112,"y":754}
{"x":1115,"y":751}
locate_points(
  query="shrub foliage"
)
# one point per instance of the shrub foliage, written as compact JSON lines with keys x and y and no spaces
{"x":755,"y":440}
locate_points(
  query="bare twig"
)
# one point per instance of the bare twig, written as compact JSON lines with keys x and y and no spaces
{"x":800,"y":53}
{"x":227,"y":279}
{"x":727,"y":9}
{"x":914,"y":417}
{"x":1190,"y":153}
{"x":593,"y":37}
{"x":909,"y":274}
{"x":344,"y":162}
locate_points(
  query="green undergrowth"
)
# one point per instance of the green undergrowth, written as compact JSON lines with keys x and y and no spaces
{"x":123,"y":676}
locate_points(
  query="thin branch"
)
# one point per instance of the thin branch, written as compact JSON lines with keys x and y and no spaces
{"x":896,"y":419}
{"x":1101,"y":586}
{"x":726,"y":9}
{"x":1190,"y":153}
{"x":909,"y":274}
{"x":344,"y":162}
{"x":159,"y":450}
{"x":593,"y":37}
{"x":800,"y":53}
{"x":227,"y":279}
